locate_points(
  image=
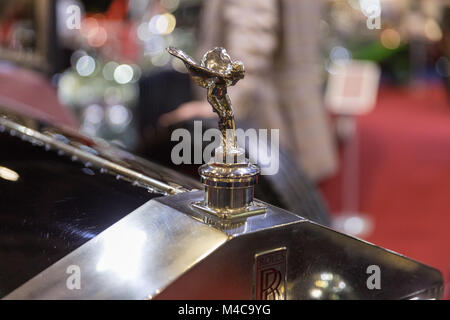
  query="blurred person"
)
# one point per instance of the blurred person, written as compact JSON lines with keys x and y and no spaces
{"x":279,"y":45}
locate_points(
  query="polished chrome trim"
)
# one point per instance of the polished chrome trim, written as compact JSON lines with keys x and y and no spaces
{"x":95,"y":160}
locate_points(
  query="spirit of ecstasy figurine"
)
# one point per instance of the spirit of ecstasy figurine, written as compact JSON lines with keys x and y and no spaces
{"x":215,"y":73}
{"x":229,"y":185}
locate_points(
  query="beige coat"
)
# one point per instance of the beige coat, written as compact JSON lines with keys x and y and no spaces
{"x":278,"y":42}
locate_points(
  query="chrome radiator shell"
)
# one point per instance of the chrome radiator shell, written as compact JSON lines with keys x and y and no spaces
{"x":166,"y":249}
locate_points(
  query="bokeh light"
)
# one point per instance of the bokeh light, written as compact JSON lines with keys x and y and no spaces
{"x":118,"y":116}
{"x":170,"y":5}
{"x":162,"y":23}
{"x":390,"y":39}
{"x":123,"y":74}
{"x":432,"y":30}
{"x":94,"y":114}
{"x":340,"y":55}
{"x":85,"y":66}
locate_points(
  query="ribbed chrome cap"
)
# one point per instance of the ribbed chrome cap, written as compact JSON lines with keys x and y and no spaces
{"x":229,"y":189}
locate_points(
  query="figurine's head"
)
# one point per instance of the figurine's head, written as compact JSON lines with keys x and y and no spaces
{"x":218,"y":60}
{"x":216,"y":64}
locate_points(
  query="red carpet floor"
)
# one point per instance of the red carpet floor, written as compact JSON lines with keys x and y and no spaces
{"x":404,"y":181}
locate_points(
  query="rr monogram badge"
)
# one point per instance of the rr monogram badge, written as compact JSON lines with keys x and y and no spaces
{"x":270,"y":275}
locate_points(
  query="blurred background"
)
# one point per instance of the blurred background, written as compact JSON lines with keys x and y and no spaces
{"x":360,"y":91}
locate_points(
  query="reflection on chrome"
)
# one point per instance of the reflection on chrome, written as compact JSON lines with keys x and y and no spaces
{"x":122,"y":252}
{"x":329,"y":286}
{"x":8,"y":174}
{"x":419,"y":298}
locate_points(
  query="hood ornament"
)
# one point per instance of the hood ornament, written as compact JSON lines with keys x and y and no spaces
{"x":215,"y":73}
{"x":229,"y":179}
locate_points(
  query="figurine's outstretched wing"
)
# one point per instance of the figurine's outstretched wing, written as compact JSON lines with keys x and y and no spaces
{"x":194,"y":68}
